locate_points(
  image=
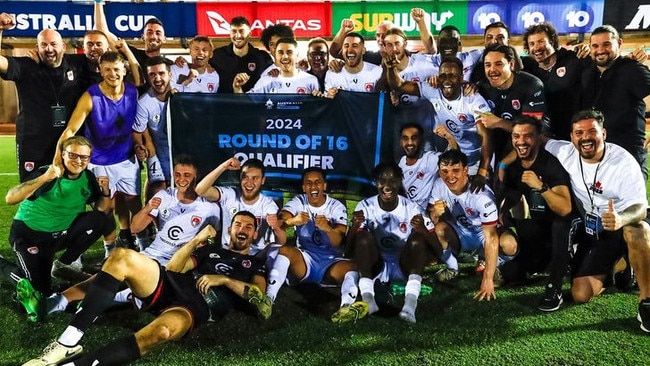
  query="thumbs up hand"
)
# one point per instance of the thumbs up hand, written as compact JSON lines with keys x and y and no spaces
{"x":611,"y":219}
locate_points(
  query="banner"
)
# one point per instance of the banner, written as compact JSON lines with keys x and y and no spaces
{"x":287,"y":132}
{"x":306,"y":19}
{"x":628,"y":15}
{"x":73,"y":20}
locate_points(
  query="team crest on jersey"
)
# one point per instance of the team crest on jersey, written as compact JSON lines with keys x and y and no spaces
{"x":402,"y":227}
{"x":369,"y":87}
{"x":211,"y":87}
{"x":246,"y":263}
{"x":165,"y":213}
{"x":420,"y":175}
{"x":462,"y":117}
{"x":470,"y":211}
{"x":516,"y":104}
{"x":301,"y":90}
{"x":415,"y":79}
{"x":252,"y":66}
{"x":195,"y":221}
{"x":32,"y":250}
{"x":561,"y":71}
{"x":70,"y":75}
{"x":29,"y":166}
{"x":597,"y":187}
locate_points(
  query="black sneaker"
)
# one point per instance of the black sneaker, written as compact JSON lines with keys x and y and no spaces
{"x":625,"y":280}
{"x":551,"y":300}
{"x":644,"y":314}
{"x":126,"y":240}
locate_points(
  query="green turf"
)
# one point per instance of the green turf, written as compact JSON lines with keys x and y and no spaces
{"x":452,"y":328}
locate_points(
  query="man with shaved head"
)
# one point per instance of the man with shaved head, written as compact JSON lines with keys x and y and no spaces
{"x":48,"y":90}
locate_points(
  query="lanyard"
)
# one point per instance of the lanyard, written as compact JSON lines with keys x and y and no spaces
{"x":582,"y":175}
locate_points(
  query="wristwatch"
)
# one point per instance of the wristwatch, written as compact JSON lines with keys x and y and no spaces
{"x":543,"y":189}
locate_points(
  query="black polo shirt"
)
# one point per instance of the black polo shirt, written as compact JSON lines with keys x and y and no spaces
{"x":228,"y":64}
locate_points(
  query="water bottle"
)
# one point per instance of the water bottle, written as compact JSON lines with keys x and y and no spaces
{"x":211,"y":298}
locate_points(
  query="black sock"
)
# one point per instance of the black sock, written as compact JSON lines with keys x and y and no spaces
{"x":120,"y":352}
{"x":99,"y":297}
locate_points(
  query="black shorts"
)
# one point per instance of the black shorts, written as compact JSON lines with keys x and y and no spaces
{"x":177,"y":290}
{"x":596,"y":257}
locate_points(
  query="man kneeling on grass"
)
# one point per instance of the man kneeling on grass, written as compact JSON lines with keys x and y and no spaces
{"x":178,"y":294}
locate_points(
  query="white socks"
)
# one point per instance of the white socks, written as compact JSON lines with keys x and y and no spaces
{"x":277,"y":276}
{"x":367,"y":288}
{"x":349,"y":290}
{"x":70,"y":336}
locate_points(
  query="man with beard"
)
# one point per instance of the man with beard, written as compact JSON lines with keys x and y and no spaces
{"x":95,"y":45}
{"x":467,"y":221}
{"x":455,"y":115}
{"x":108,"y":112}
{"x":412,"y":67}
{"x":509,"y":93}
{"x":177,"y":295}
{"x":52,"y":217}
{"x":240,"y":56}
{"x":419,"y":167}
{"x":199,"y":76}
{"x":247,"y":197}
{"x":356,"y":75}
{"x":616,"y":86}
{"x":560,"y":70}
{"x":153,"y":36}
{"x":152,"y":115}
{"x":391,"y":240}
{"x":320,"y":222}
{"x":178,"y":212}
{"x":290,"y":79}
{"x":48,"y":90}
{"x":544,"y":237}
{"x":347,"y":27}
{"x":611,"y":197}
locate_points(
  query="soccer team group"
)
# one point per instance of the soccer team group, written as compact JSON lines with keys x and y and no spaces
{"x":536,"y":164}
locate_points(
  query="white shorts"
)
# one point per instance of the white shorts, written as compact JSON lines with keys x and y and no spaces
{"x":391,"y":272}
{"x":123,"y":177}
{"x":317,"y":265}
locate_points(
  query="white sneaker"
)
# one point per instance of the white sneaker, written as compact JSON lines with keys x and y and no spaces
{"x":54,"y":354}
{"x":407,"y":315}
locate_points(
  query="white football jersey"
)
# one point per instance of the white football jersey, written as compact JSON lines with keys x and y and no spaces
{"x":308,"y":236}
{"x":470,"y":211}
{"x":420,"y":67}
{"x":459,"y":116}
{"x":363,"y":81}
{"x":231,"y":202}
{"x":468,"y":58}
{"x":390,"y":228}
{"x":208,"y":82}
{"x":178,"y":223}
{"x":418,"y":178}
{"x":300,"y":83}
{"x":152,"y":114}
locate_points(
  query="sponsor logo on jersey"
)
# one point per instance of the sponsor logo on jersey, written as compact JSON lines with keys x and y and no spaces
{"x":516,"y":104}
{"x":165,"y":213}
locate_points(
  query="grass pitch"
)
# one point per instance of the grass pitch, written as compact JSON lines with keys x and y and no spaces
{"x":452,"y":328}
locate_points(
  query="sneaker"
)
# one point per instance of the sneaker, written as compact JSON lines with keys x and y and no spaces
{"x":644,"y":314}
{"x":551,"y":300}
{"x":350,"y":312}
{"x":54,"y":354}
{"x":480,"y":267}
{"x":466,"y":257}
{"x":69,"y":272}
{"x":407,"y":315}
{"x":126,"y":240}
{"x":31,"y":300}
{"x":446,"y":274}
{"x":263,"y":303}
{"x":624,"y":279}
